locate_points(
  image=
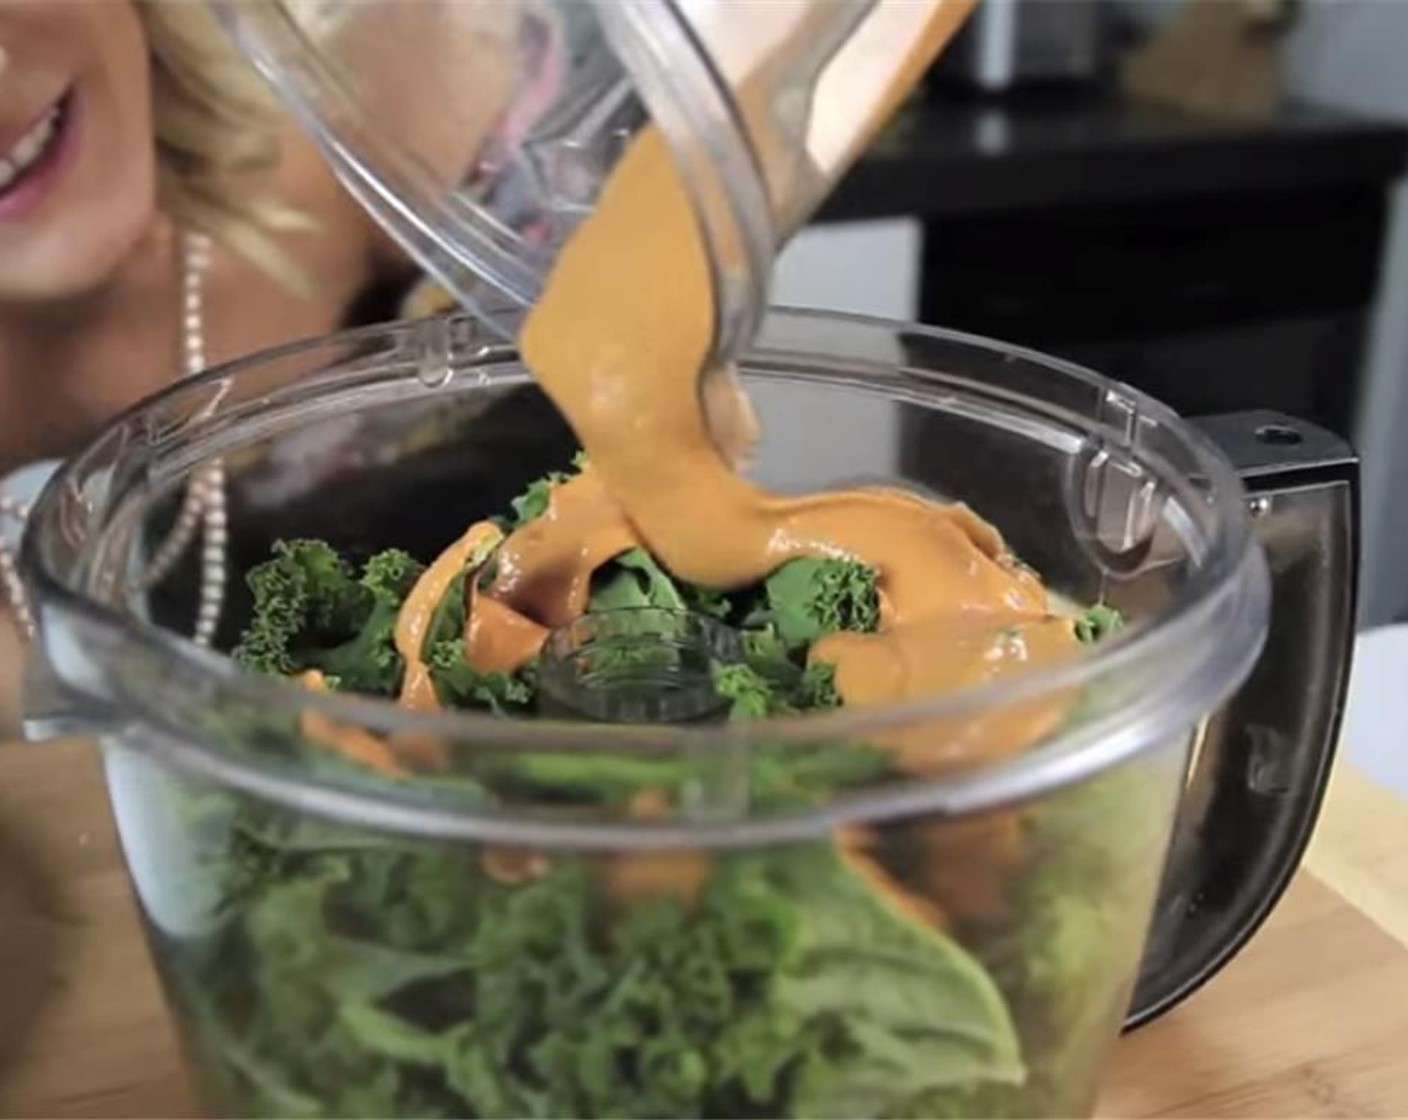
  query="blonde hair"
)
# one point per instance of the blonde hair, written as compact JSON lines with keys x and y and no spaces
{"x":217,"y":137}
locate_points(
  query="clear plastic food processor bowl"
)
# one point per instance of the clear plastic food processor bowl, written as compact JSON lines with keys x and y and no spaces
{"x":340,"y":943}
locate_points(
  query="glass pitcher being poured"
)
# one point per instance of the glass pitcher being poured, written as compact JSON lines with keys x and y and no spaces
{"x":661,"y":822}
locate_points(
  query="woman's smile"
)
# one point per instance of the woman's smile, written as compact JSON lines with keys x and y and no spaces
{"x":31,"y":163}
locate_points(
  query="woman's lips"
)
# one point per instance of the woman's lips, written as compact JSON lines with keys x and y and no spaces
{"x":33,"y":164}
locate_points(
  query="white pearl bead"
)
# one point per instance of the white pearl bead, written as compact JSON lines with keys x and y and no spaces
{"x":203,"y":508}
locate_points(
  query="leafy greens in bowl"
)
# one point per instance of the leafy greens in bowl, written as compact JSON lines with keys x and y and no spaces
{"x":913,"y":967}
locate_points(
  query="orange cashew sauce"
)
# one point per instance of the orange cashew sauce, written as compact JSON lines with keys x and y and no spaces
{"x":619,"y":341}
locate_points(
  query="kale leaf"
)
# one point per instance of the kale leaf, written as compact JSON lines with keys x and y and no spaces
{"x":448,"y":619}
{"x":536,"y":496}
{"x":816,"y":688}
{"x":766,"y":652}
{"x":304,"y":589}
{"x":1097,"y":623}
{"x":1072,"y":948}
{"x":749,"y":693}
{"x":634,"y":579}
{"x":311,"y":613}
{"x":777,"y":689}
{"x":869,"y":976}
{"x":533,"y":502}
{"x":401,"y":979}
{"x":807,"y":598}
{"x":458,"y":684}
{"x":707,"y":601}
{"x":368,"y":662}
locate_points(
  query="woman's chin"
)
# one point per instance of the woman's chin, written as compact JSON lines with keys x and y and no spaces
{"x":75,"y":258}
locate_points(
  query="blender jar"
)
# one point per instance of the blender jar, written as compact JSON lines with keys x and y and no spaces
{"x":480,"y":133}
{"x":753,"y":919}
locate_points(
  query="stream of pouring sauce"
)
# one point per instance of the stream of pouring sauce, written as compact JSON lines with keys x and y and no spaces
{"x":618,"y":341}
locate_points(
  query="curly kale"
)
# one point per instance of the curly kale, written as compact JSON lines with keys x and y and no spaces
{"x":768,"y":654}
{"x":808,"y":598}
{"x":310,"y":612}
{"x":749,"y":693}
{"x":306,"y":588}
{"x":368,"y":662}
{"x":361,"y":973}
{"x":1098,"y":622}
{"x":635,"y":579}
{"x":755,"y":694}
{"x":459,"y":685}
{"x":401,"y":979}
{"x":817,"y":687}
{"x":707,"y":601}
{"x":533,"y":502}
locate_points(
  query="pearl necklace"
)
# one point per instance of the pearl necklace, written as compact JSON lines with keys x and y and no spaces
{"x":203,"y":510}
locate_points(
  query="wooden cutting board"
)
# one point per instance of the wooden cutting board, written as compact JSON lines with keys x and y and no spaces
{"x":1310,"y":1020}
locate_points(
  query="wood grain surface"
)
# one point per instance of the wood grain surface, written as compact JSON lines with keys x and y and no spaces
{"x":1310,"y":1020}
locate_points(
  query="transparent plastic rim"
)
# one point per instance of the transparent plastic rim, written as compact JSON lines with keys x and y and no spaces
{"x":1228,"y":594}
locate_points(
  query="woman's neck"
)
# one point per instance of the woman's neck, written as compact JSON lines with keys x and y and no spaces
{"x":67,"y":366}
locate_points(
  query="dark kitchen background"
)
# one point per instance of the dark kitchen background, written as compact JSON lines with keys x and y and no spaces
{"x":1202,"y":198}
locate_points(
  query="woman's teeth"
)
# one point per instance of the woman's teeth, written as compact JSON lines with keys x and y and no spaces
{"x":29,"y":148}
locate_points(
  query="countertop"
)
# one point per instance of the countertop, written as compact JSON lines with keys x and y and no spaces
{"x":951,"y":155}
{"x":1310,"y":1020}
